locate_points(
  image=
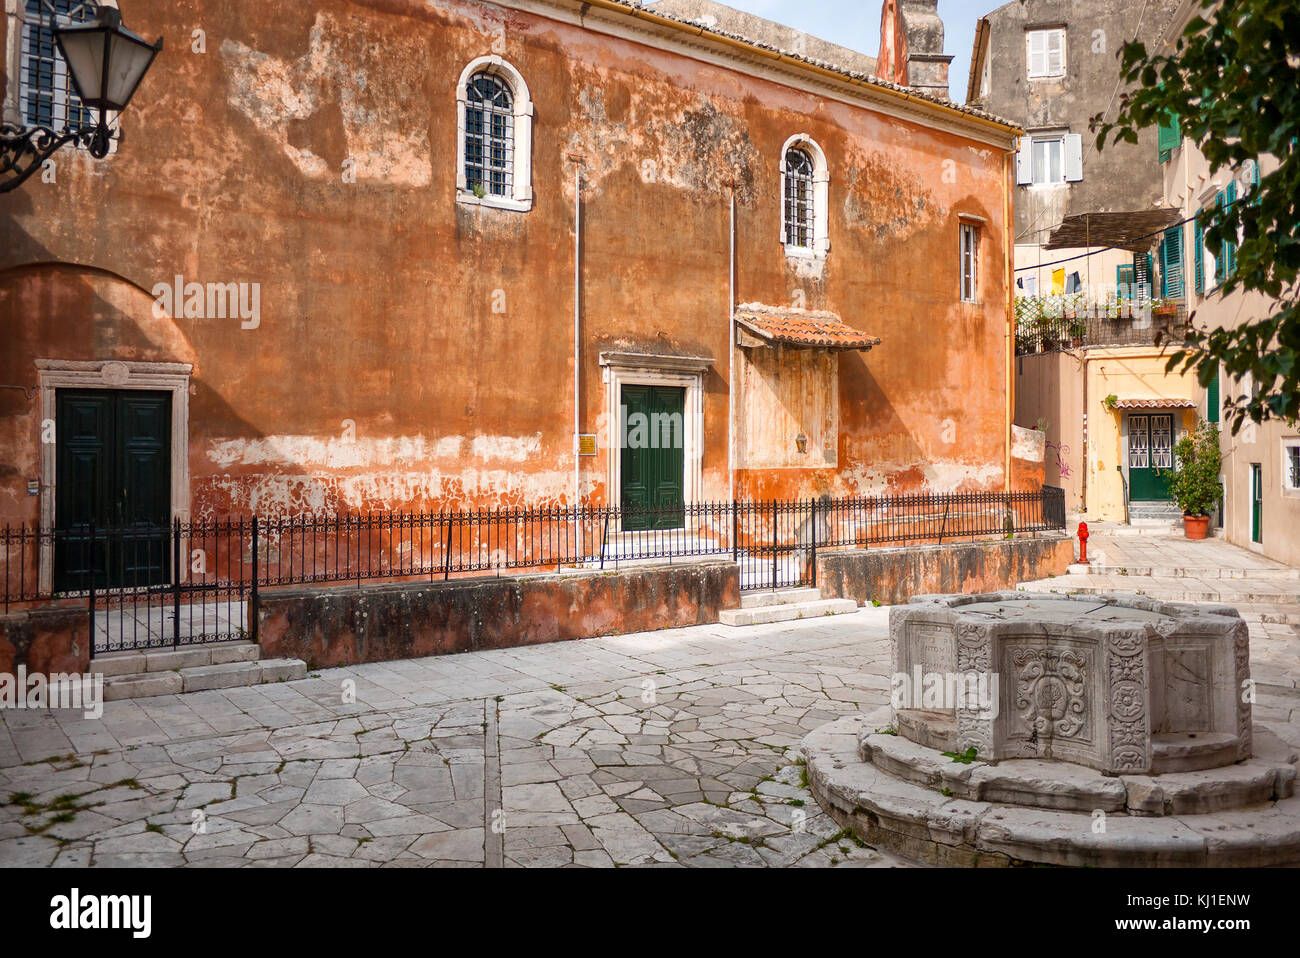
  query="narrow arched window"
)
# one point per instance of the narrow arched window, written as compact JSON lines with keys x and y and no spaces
{"x":805,"y":198}
{"x":495,"y":130}
{"x":800,"y":203}
{"x":489,"y":136}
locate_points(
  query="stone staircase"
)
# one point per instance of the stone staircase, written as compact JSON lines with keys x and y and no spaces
{"x":784,"y":605}
{"x":148,"y":672}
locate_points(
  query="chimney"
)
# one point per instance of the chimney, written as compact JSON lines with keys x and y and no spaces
{"x":911,"y":46}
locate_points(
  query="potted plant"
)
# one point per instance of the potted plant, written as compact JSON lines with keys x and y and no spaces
{"x":1078,"y":330}
{"x":1194,"y":480}
{"x":1164,"y":308}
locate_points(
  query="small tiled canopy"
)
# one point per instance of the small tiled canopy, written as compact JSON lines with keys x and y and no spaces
{"x":800,"y":329}
{"x":1155,"y":404}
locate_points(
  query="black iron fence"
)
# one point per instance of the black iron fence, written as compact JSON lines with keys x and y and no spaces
{"x":195,"y":581}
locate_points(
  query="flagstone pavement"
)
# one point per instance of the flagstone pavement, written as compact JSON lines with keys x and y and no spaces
{"x":660,"y":748}
{"x":668,"y":748}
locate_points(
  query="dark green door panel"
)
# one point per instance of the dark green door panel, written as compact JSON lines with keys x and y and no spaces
{"x":1256,"y":502}
{"x":653,"y":457}
{"x":112,"y":469}
{"x":1150,"y":456}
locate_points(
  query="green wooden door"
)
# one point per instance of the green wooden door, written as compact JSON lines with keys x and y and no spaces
{"x":1150,"y":456}
{"x":1256,"y":502}
{"x":112,"y":469}
{"x":653,"y":457}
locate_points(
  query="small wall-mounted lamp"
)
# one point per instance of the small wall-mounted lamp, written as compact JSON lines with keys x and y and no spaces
{"x":801,"y":441}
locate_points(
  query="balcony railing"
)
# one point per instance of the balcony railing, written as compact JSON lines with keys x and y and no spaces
{"x":1046,"y":324}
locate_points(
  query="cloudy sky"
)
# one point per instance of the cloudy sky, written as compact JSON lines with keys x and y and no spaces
{"x":856,"y":24}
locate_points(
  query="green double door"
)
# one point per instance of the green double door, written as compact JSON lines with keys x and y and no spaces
{"x":653,"y":457}
{"x":1150,"y":456}
{"x":112,"y":475}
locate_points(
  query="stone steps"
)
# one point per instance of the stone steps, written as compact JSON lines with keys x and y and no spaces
{"x":785,"y":611}
{"x":1172,"y":572}
{"x":147,"y":673}
{"x":1077,"y":819}
{"x":1172,"y":591}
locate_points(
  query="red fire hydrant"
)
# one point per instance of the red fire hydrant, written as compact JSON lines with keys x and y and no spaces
{"x":1083,"y":543}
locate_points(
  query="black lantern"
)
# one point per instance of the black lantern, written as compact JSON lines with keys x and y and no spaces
{"x":106,"y":62}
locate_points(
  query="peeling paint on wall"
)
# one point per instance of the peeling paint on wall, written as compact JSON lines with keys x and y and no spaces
{"x":297,"y":100}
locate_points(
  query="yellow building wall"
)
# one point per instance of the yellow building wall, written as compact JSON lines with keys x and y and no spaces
{"x":1126,"y":373}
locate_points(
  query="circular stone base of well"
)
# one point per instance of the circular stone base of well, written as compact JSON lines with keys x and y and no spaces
{"x":920,"y":804}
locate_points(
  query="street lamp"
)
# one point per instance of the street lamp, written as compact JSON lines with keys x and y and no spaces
{"x":106,"y":62}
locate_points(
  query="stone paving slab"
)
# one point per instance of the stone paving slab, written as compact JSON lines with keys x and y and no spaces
{"x":668,"y":748}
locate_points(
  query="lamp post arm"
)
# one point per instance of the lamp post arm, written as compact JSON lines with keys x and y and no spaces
{"x":24,"y":151}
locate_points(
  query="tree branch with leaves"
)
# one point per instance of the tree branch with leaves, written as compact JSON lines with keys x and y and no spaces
{"x":1233,"y":83}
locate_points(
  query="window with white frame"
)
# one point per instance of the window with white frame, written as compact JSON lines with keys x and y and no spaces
{"x":1291,"y":466}
{"x":495,"y":136}
{"x":805,"y":197}
{"x":1047,"y":154}
{"x":970,"y":261}
{"x":1046,"y":52}
{"x":46,"y":96}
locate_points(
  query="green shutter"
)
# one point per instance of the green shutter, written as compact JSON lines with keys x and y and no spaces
{"x":1124,"y":281}
{"x":1171,"y":264}
{"x":1212,"y":398}
{"x":1199,"y":255}
{"x":1168,"y":137}
{"x":1230,"y":247}
{"x":1222,"y":258}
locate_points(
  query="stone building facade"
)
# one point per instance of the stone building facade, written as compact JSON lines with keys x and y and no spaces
{"x":378,"y":255}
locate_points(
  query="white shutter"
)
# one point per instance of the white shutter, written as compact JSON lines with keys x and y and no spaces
{"x":1037,"y":54}
{"x":1024,"y":162}
{"x":1073,"y":157}
{"x":1055,"y":55}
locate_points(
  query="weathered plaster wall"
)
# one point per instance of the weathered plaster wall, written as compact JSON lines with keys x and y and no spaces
{"x":1049,"y":395}
{"x":1122,"y":177}
{"x":412,"y":351}
{"x":329,"y":627}
{"x":1125,"y":373}
{"x":46,"y":641}
{"x":892,"y":576}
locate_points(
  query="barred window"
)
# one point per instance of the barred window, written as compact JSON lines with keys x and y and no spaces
{"x":800,"y":203}
{"x":45,"y":92}
{"x":1291,"y":465}
{"x":489,"y":136}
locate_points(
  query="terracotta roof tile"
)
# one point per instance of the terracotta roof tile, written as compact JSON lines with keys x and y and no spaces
{"x":1156,"y":404}
{"x":802,"y":328}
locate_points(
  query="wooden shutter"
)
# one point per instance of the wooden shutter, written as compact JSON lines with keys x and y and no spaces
{"x":1199,"y":255}
{"x":1212,"y":398}
{"x":1171,"y":264}
{"x":1169,"y":137}
{"x":1230,"y":246}
{"x":1073,"y":157}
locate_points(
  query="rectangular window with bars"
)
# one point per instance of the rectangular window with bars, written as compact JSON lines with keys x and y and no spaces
{"x":1291,"y":465}
{"x":970,"y":253}
{"x":45,"y":93}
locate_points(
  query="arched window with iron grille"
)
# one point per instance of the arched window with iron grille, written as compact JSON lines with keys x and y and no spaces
{"x":489,"y":136}
{"x":800,"y":199}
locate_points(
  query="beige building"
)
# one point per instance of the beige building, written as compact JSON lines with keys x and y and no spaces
{"x":1261,"y":463}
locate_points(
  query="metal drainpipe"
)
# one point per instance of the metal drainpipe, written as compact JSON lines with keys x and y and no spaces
{"x":731,"y":357}
{"x":577,"y":329}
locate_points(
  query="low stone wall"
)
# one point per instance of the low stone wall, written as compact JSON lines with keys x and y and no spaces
{"x":46,"y":641}
{"x":892,"y":576}
{"x":333,"y":626}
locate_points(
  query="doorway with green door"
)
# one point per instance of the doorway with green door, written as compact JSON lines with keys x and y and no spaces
{"x":1150,"y":456}
{"x":112,"y":503}
{"x":652,"y":456}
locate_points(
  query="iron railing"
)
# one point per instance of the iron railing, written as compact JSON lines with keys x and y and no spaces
{"x":1065,"y":324}
{"x":194,"y":581}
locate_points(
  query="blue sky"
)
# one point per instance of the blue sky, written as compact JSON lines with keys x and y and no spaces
{"x":856,"y":24}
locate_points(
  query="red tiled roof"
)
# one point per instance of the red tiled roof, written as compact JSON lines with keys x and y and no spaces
{"x":1156,"y":404}
{"x":802,"y":328}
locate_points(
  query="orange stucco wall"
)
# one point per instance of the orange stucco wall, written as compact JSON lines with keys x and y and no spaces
{"x":413,"y":351}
